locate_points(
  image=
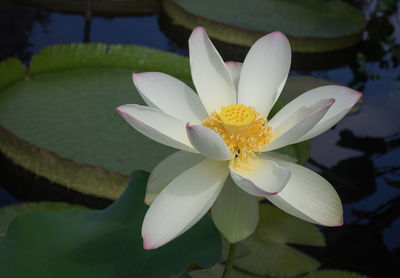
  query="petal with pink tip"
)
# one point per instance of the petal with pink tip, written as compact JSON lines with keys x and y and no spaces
{"x":183,"y":202}
{"x":168,"y":169}
{"x":157,"y":125}
{"x":287,"y":129}
{"x":170,"y":95}
{"x":308,"y":196}
{"x":259,"y":177}
{"x":209,"y":73}
{"x":234,"y":69}
{"x":235,"y":213}
{"x":208,"y":142}
{"x":264,"y":72}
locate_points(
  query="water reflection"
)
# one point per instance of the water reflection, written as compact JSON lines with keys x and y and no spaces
{"x":16,"y":24}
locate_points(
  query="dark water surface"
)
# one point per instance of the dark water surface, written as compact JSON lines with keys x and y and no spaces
{"x":360,"y":156}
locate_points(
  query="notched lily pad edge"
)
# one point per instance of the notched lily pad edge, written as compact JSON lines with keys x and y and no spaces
{"x":85,"y":178}
{"x":242,"y":37}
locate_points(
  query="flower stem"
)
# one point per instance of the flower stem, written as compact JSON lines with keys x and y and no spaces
{"x":229,"y":261}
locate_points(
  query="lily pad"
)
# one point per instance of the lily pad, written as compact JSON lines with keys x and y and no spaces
{"x":8,"y":213}
{"x":100,"y":7}
{"x":311,"y":25}
{"x":270,"y":255}
{"x":217,"y":271}
{"x":103,"y":243}
{"x":59,"y":122}
{"x":58,"y":119}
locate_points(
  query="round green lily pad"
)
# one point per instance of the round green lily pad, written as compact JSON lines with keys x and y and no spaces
{"x":8,"y":213}
{"x":311,"y":25}
{"x":59,"y":120}
{"x":100,"y":7}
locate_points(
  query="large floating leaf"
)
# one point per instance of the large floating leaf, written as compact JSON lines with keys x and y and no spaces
{"x":11,"y":70}
{"x":104,"y":243}
{"x":100,"y":7}
{"x":269,"y":253}
{"x":59,"y":121}
{"x":8,"y":213}
{"x":311,"y":25}
{"x":217,"y":271}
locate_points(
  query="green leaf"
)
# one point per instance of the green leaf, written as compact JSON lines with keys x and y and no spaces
{"x":100,"y":7}
{"x":8,"y":213}
{"x":52,"y":121}
{"x":11,"y":70}
{"x":333,"y":274}
{"x":269,"y":253}
{"x":103,"y":243}
{"x":216,"y":272}
{"x":321,"y":25}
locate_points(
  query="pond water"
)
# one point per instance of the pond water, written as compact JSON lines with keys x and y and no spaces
{"x":360,"y":156}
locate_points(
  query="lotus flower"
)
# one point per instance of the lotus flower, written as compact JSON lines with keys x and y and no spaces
{"x":224,"y":130}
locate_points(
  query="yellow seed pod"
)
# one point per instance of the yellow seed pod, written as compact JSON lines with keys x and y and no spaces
{"x":237,"y":118}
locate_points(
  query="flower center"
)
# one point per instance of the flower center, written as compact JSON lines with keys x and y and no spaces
{"x":237,"y":118}
{"x":243,"y":129}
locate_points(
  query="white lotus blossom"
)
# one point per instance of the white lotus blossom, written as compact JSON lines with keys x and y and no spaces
{"x":224,"y":130}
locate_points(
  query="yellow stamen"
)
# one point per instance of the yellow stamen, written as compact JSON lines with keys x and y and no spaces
{"x":243,"y":129}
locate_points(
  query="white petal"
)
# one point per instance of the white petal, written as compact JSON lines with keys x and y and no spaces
{"x":208,"y":142}
{"x":309,"y":196}
{"x":235,"y":213}
{"x":170,"y":95}
{"x":259,"y":177}
{"x":264,"y":72}
{"x":168,"y":169}
{"x":209,"y":73}
{"x":183,"y":202}
{"x":285,"y":130}
{"x":345,"y":99}
{"x":234,"y":69}
{"x":157,"y":125}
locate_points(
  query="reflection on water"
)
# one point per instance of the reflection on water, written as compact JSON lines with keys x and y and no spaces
{"x":16,"y":25}
{"x":360,"y":156}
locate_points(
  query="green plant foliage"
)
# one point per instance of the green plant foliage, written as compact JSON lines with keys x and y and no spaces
{"x":8,"y":213}
{"x":333,"y":274}
{"x":11,"y":70}
{"x":68,"y":102}
{"x":60,"y":121}
{"x":103,"y":243}
{"x":269,"y":253}
{"x":320,"y":25}
{"x":217,"y":271}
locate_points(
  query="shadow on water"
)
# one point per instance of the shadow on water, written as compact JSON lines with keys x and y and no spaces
{"x":16,"y":25}
{"x":363,"y":165}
